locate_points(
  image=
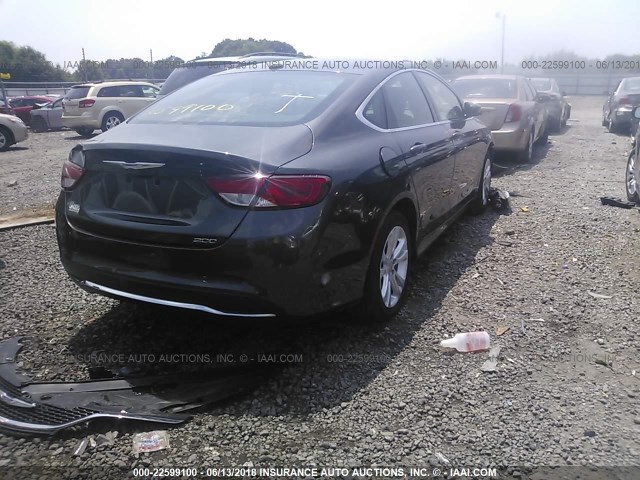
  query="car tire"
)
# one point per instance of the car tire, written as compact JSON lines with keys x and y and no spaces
{"x":479,"y":204}
{"x":526,"y":156}
{"x":605,"y":122}
{"x":84,"y":131}
{"x":612,"y":127}
{"x":631,"y":181}
{"x":111,"y":120}
{"x":386,"y":285}
{"x":556,"y":124}
{"x":544,"y":138}
{"x":6,"y":139}
{"x":38,"y":125}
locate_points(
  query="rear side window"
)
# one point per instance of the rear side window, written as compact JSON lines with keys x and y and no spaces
{"x":77,"y":92}
{"x":486,"y":87}
{"x":445,"y":102}
{"x":405,"y":102}
{"x":189,"y":73}
{"x":631,"y":85}
{"x":122,"y":91}
{"x":375,"y":111}
{"x":260,"y":98}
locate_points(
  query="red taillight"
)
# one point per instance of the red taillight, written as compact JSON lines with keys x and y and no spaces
{"x":86,"y":103}
{"x":514,"y":114}
{"x":72,"y":169}
{"x":624,"y":101}
{"x":279,"y":191}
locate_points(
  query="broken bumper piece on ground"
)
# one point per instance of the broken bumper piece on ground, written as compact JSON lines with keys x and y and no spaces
{"x":45,"y":408}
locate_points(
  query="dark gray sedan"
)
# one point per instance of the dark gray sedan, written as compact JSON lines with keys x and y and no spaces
{"x":557,"y":106}
{"x":617,"y":108}
{"x":284,"y":190}
{"x":47,"y":117}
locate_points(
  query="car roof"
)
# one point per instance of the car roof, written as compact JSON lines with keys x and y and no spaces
{"x":240,"y":58}
{"x":357,"y":65}
{"x":113,"y":84}
{"x":492,"y":77}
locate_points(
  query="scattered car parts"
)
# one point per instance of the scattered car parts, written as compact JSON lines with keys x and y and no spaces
{"x":47,"y":407}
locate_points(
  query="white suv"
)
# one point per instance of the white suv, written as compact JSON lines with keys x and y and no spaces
{"x":104,"y":105}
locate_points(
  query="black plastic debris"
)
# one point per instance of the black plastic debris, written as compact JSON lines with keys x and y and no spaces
{"x":498,"y":199}
{"x":616,"y":202}
{"x":45,"y":408}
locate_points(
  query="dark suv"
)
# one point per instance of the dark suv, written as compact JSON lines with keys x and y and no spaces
{"x":201,"y":67}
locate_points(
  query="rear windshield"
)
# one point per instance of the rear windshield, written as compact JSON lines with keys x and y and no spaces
{"x":259,"y":98}
{"x":486,"y":87}
{"x":541,"y":84}
{"x":630,"y":85}
{"x":182,"y":76}
{"x":77,"y":92}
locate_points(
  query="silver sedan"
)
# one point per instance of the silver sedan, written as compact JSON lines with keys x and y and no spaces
{"x":511,"y":107}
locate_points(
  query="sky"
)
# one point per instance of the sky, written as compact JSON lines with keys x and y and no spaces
{"x":396,"y":30}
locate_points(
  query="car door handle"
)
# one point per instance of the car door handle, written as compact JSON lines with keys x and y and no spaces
{"x":418,"y":148}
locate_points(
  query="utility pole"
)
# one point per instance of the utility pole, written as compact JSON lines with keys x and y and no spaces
{"x":84,"y":66}
{"x":151,"y":56}
{"x":504,"y":19}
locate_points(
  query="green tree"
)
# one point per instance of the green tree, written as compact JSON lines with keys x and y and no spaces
{"x":25,"y":64}
{"x":228,"y":47}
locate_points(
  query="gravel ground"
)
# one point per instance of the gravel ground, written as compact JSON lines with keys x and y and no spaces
{"x":565,"y":391}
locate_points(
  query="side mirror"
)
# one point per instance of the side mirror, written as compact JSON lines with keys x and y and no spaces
{"x":472,"y":109}
{"x":636,"y":113}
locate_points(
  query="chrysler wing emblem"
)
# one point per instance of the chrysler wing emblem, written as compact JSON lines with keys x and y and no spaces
{"x":134,"y":165}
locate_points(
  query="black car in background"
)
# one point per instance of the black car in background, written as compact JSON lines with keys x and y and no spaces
{"x":616,"y":111}
{"x":274,"y":191}
{"x":557,"y":106}
{"x":202,"y":67}
{"x":632,"y":174}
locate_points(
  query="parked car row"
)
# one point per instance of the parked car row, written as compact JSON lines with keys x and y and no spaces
{"x":22,"y":106}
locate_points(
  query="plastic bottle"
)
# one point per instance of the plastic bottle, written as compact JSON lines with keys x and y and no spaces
{"x":468,"y":342}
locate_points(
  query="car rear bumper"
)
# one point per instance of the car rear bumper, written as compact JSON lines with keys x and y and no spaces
{"x":509,"y":138}
{"x":20,"y":132}
{"x":80,"y":121}
{"x":249,"y":275}
{"x":622,"y":115}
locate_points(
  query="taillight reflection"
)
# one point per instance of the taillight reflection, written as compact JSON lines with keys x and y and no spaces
{"x":278,"y":191}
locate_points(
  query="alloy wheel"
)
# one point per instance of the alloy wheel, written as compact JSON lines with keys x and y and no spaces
{"x":112,"y":122}
{"x":486,"y":181}
{"x":3,"y":140}
{"x":394,"y":265}
{"x":632,"y":181}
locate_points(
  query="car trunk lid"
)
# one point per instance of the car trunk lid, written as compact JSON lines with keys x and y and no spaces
{"x":138,"y":187}
{"x":494,"y":111}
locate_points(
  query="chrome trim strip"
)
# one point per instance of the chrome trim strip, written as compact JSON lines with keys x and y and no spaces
{"x":134,"y":165}
{"x":41,"y":428}
{"x":170,"y":303}
{"x":14,"y":402}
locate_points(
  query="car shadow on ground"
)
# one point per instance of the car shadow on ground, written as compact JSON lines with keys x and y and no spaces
{"x":306,"y":365}
{"x":506,"y":164}
{"x":15,"y":148}
{"x":79,"y":138}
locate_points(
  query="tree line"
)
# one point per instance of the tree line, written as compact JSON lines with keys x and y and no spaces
{"x":26,"y":64}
